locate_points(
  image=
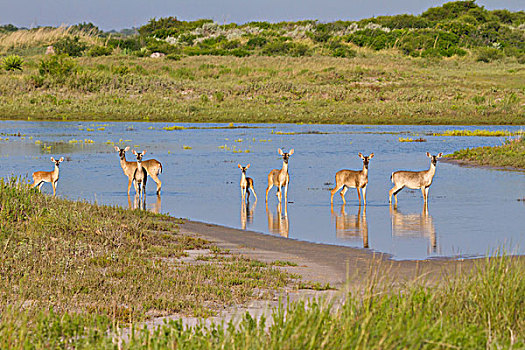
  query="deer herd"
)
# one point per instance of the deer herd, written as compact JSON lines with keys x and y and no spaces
{"x":137,"y":173}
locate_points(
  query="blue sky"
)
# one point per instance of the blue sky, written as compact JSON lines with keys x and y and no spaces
{"x":118,"y":14}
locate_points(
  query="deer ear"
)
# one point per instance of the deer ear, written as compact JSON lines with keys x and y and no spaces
{"x":440,"y":155}
{"x":126,"y":149}
{"x":247,"y":166}
{"x":116,"y":149}
{"x":144,"y":152}
{"x":61,"y":159}
{"x":291,"y":152}
{"x":371,"y":156}
{"x":360,"y":155}
{"x":239,"y":166}
{"x":133,"y":151}
{"x":429,"y":155}
{"x":52,"y":159}
{"x":280,"y":151}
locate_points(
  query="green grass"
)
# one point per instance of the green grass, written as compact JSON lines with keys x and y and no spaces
{"x":77,"y":257}
{"x":478,"y":133}
{"x":482,"y":308}
{"x":510,"y":154}
{"x":372,"y":88}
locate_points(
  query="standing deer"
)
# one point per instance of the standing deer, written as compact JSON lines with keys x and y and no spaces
{"x":139,"y":176}
{"x":39,"y":177}
{"x":246,"y":183}
{"x":357,"y":179}
{"x":153,"y":168}
{"x":414,"y":179}
{"x":280,"y":177}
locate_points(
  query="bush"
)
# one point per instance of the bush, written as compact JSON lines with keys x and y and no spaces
{"x":12,"y":63}
{"x":57,"y":66}
{"x":173,"y":57}
{"x":256,"y":42}
{"x":488,"y":54}
{"x":70,"y":46}
{"x":133,"y":44}
{"x":96,"y":51}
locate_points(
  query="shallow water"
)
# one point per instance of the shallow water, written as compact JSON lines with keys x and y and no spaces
{"x":471,"y":211}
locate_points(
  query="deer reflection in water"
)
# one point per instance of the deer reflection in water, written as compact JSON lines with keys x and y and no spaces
{"x":137,"y":203}
{"x":349,"y":226}
{"x":414,"y":225}
{"x":278,"y":223}
{"x":247,"y":213}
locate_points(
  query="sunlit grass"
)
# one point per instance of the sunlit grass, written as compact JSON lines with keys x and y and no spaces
{"x":510,"y":154}
{"x":478,"y":132}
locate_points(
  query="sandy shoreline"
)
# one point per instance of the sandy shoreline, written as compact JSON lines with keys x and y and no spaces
{"x":321,"y":263}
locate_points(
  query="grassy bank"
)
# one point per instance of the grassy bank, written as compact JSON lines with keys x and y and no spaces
{"x":482,"y":309}
{"x":122,"y":265}
{"x":510,"y":154}
{"x":372,"y":88}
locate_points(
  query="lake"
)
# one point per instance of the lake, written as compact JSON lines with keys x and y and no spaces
{"x":472,"y":211}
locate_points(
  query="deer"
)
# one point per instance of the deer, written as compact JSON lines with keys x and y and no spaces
{"x":357,"y":179}
{"x":153,"y":168}
{"x":280,"y":177}
{"x":246,"y":184}
{"x":414,"y":179}
{"x":39,"y":177}
{"x":139,"y":175}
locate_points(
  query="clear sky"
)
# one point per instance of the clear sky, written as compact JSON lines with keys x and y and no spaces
{"x":118,"y":14}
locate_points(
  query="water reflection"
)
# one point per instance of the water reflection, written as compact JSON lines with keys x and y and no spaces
{"x":350,"y":226}
{"x":414,"y":225}
{"x":278,"y":223}
{"x":247,"y":213}
{"x":137,"y":203}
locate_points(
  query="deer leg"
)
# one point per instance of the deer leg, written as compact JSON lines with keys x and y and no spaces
{"x":157,"y":181}
{"x":279,"y":195}
{"x":286,"y":193}
{"x":253,"y":191}
{"x":358,"y":194}
{"x":345,"y":188}
{"x":364,"y":194}
{"x":54,"y":188}
{"x":40,"y":186}
{"x":394,"y":192}
{"x":334,"y":191}
{"x":426,"y":193}
{"x":267,"y":190}
{"x":130,"y":180}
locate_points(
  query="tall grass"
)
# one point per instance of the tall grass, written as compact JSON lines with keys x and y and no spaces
{"x":475,"y":310}
{"x":41,"y":37}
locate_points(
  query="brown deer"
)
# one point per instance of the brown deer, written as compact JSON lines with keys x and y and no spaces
{"x":39,"y":177}
{"x":357,"y":179}
{"x":139,"y":176}
{"x":153,"y":168}
{"x":280,"y":177}
{"x":246,"y":183}
{"x":414,"y":179}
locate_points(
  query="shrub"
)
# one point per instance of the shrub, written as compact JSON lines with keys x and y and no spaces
{"x":488,"y":54}
{"x":120,"y":70}
{"x":12,"y":63}
{"x":57,"y":66}
{"x":173,"y":57}
{"x":96,"y":51}
{"x":256,"y":42}
{"x":70,"y":46}
{"x":133,"y":44}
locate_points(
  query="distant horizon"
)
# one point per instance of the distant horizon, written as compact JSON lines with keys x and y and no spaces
{"x":122,"y":14}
